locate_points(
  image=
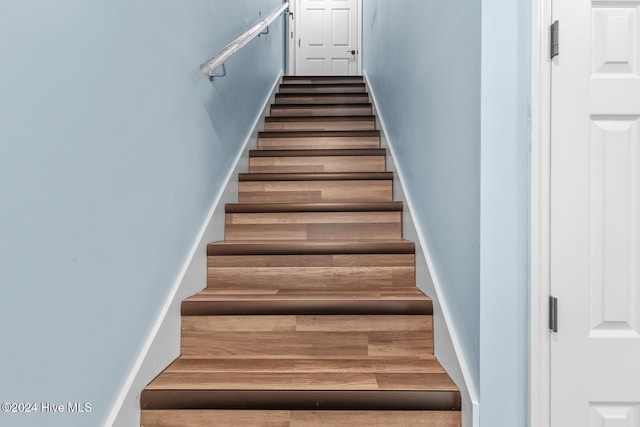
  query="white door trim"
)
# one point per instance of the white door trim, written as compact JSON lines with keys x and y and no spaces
{"x":291,"y":31}
{"x":294,"y":6}
{"x":359,"y":57}
{"x":539,"y":372}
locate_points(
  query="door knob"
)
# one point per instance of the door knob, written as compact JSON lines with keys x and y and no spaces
{"x":352,"y":52}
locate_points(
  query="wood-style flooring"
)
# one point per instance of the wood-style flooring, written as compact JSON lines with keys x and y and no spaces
{"x":310,"y":315}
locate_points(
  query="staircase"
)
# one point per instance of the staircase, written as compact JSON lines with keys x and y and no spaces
{"x":311,"y":316}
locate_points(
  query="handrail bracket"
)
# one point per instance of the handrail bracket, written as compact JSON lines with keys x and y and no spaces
{"x":213,"y":75}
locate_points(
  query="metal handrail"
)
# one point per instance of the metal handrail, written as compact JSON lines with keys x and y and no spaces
{"x":209,"y":66}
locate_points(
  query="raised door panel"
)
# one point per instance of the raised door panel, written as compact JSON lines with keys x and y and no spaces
{"x":327,"y":33}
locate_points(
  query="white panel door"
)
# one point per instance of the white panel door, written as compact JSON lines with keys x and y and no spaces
{"x":327,"y":37}
{"x":595,"y":214}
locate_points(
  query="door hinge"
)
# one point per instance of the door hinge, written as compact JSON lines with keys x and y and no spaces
{"x":553,"y":314}
{"x":555,"y":39}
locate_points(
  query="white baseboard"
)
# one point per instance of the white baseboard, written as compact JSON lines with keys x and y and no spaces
{"x":163,"y":343}
{"x":446,"y":343}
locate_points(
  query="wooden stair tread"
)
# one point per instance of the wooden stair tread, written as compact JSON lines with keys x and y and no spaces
{"x":239,"y":380}
{"x":377,"y":383}
{"x":319,"y":152}
{"x":289,"y":418}
{"x":310,"y":247}
{"x":296,"y":294}
{"x":423,"y":365}
{"x":318,"y":176}
{"x":323,"y":133}
{"x":314,"y":207}
{"x":287,"y":292}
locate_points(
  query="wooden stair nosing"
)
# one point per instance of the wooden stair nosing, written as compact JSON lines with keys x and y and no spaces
{"x":348,"y":152}
{"x":320,"y":118}
{"x":320,"y":176}
{"x":311,"y":89}
{"x":321,"y":76}
{"x":318,"y":247}
{"x":289,"y":85}
{"x":358,"y":98}
{"x":318,"y":133}
{"x":335,"y":88}
{"x":314,"y":207}
{"x":301,"y":307}
{"x":285,"y":110}
{"x":318,"y":78}
{"x":356,"y":105}
{"x":302,"y":399}
{"x":323,"y":95}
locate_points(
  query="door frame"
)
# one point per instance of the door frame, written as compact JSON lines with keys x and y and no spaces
{"x":539,"y":353}
{"x":293,"y":31}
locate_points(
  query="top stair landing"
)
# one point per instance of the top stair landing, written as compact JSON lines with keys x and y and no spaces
{"x":321,"y":79}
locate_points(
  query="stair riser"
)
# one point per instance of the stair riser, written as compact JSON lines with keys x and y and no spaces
{"x":297,"y":307}
{"x":287,"y":418}
{"x":317,"y":164}
{"x":301,"y":345}
{"x":302,"y":400}
{"x":314,"y":99}
{"x":312,"y":271}
{"x":300,"y":337}
{"x":325,"y":125}
{"x":315,"y":110}
{"x":318,"y":142}
{"x":315,"y":191}
{"x":314,"y":226}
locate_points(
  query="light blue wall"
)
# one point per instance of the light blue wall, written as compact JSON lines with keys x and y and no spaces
{"x":423,"y":63}
{"x":504,"y":266}
{"x":112,"y":150}
{"x":452,"y":82}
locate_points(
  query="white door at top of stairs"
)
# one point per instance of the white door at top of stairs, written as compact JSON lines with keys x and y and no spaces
{"x":327,"y":37}
{"x":595,"y":214}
